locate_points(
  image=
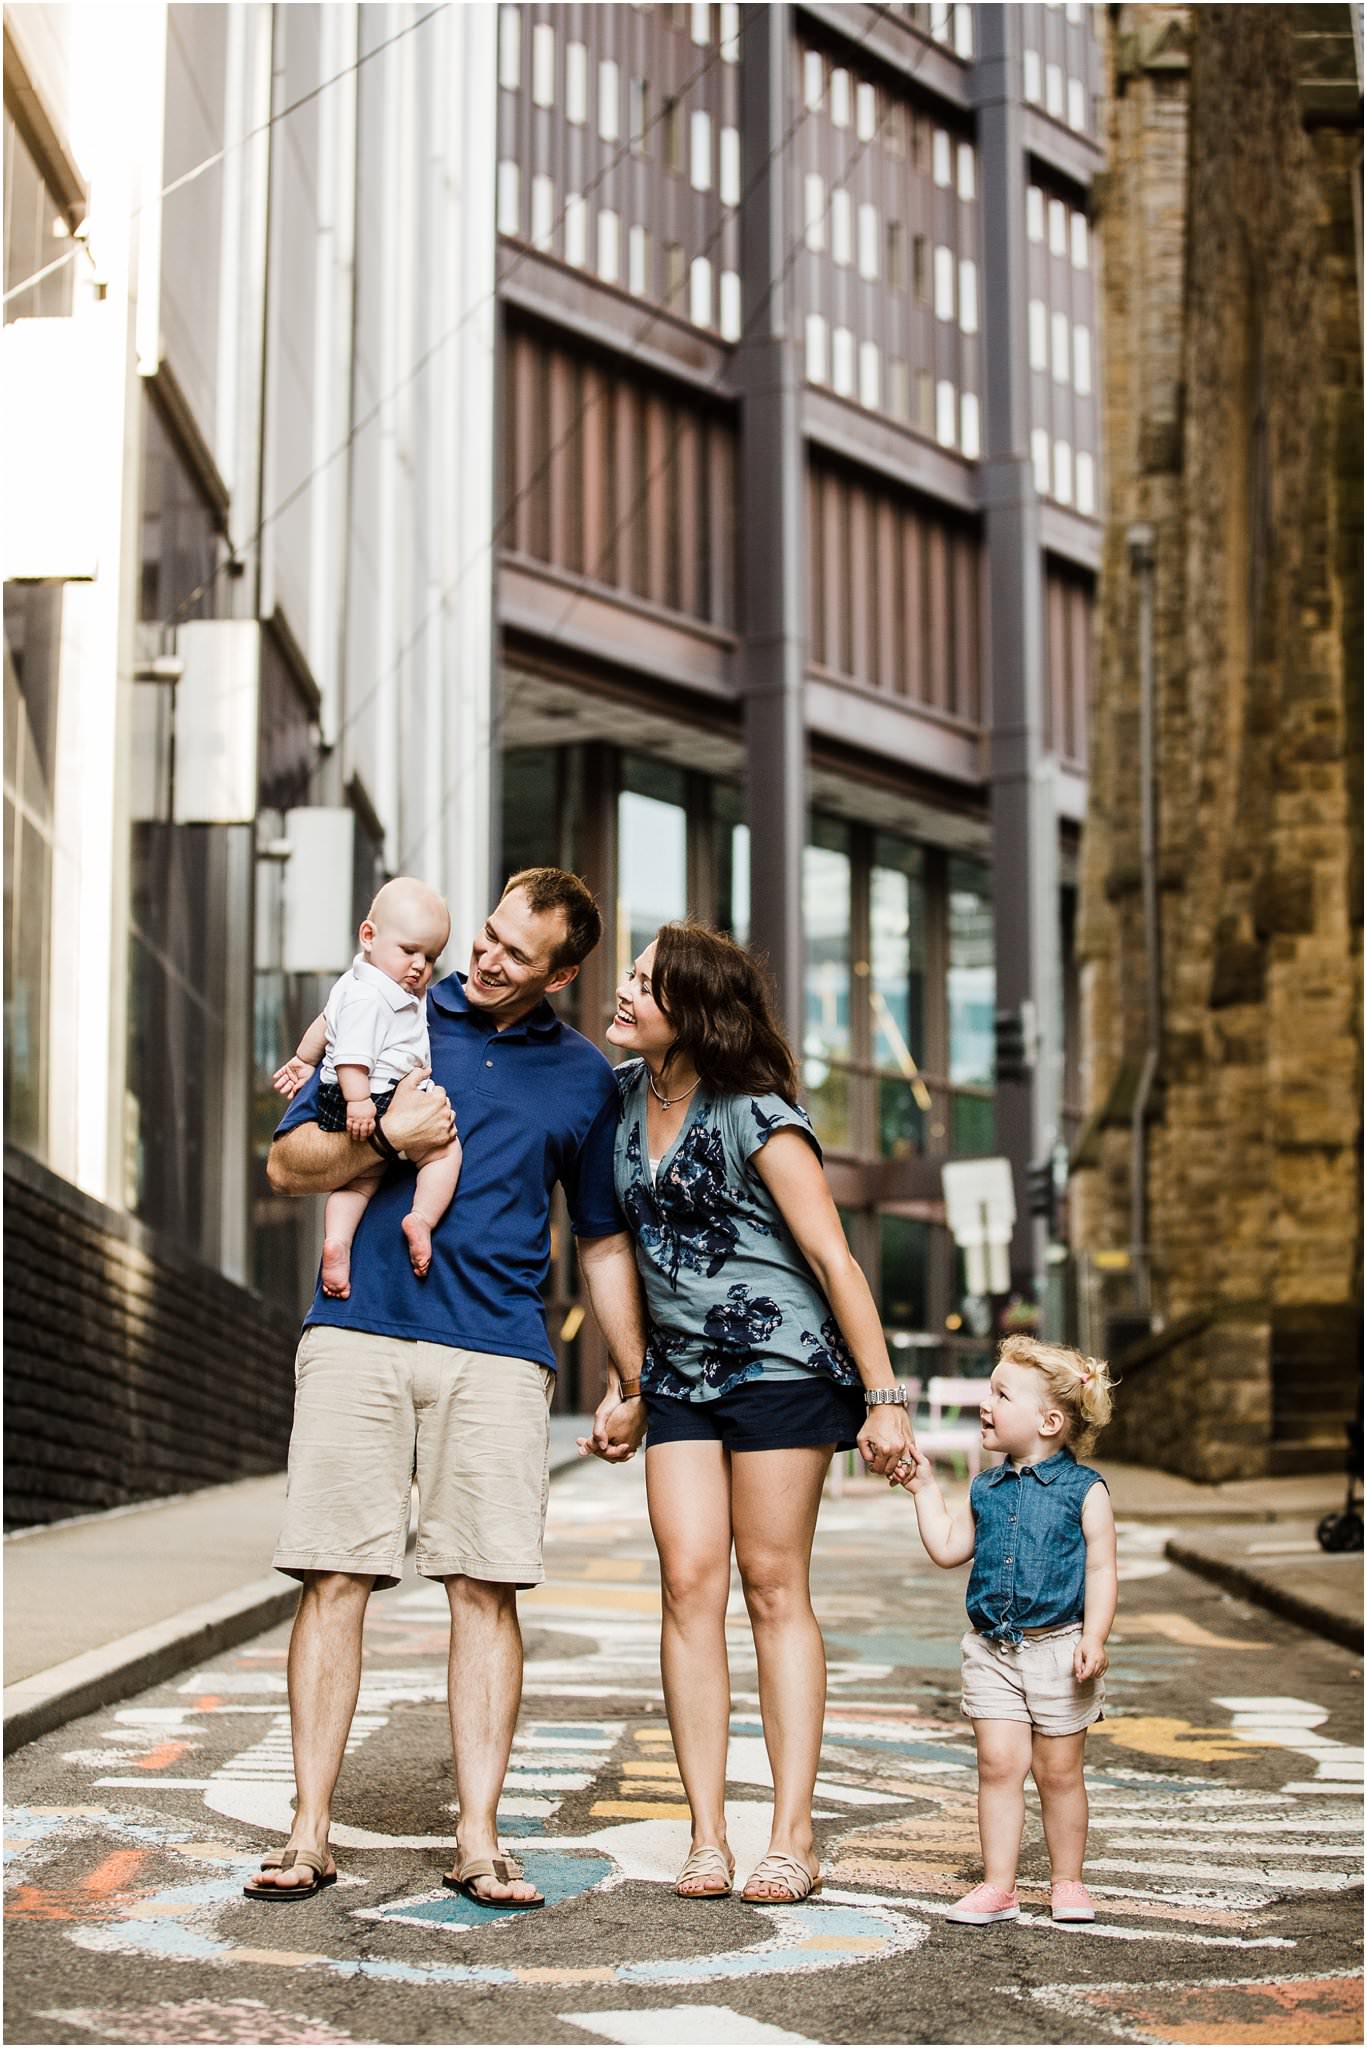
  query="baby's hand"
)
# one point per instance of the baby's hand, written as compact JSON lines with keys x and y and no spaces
{"x":360,"y":1118}
{"x":1089,"y":1659}
{"x":290,"y":1078}
{"x":918,"y":1471}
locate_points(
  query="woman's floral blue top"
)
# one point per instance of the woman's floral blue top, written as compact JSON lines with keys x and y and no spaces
{"x":730,"y":1296}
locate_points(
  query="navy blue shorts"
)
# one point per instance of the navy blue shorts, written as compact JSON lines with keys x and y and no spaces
{"x":762,"y":1415}
{"x":332,"y":1105}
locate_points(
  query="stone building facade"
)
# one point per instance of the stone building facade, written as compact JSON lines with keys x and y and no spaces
{"x":1216,"y":1196}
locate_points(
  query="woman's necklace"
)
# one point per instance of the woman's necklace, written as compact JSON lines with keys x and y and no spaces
{"x":669,"y":1101}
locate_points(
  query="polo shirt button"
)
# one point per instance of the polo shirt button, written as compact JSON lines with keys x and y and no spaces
{"x":488,"y":1063}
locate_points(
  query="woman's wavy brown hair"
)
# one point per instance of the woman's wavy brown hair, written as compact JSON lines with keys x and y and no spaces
{"x":721,"y":1005}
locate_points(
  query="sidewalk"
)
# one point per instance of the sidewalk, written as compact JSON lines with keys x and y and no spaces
{"x":99,"y":1608}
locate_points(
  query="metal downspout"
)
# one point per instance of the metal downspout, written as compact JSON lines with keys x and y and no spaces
{"x":1140,"y":540}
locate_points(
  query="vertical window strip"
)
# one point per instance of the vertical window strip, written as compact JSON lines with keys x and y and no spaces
{"x":609,"y":101}
{"x":576,"y":84}
{"x":510,"y":48}
{"x":543,"y":65}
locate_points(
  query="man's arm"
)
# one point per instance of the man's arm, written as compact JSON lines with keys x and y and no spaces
{"x":613,"y":1286}
{"x":307,"y":1161}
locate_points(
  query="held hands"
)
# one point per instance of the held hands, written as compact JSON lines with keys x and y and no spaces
{"x":419,"y":1119}
{"x":618,"y":1427}
{"x":1089,"y":1659}
{"x":360,"y":1117}
{"x":886,"y":1443}
{"x":919,"y":1477}
{"x":290,"y":1078}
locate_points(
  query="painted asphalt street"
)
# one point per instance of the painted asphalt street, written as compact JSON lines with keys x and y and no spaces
{"x":1226,"y":1791}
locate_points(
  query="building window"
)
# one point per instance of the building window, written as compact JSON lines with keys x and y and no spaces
{"x":944,"y":413}
{"x":941,"y":157}
{"x":652,"y":853}
{"x":543,"y":65}
{"x":1082,"y":361}
{"x":1060,"y":351}
{"x":897,"y":971}
{"x":673,"y":138}
{"x":968,"y":180}
{"x":700,"y":154}
{"x":840,"y":225}
{"x":895,"y":129}
{"x":1034,"y":213}
{"x":638,"y":262}
{"x":968,"y":296}
{"x":1078,"y":224}
{"x":920,"y":271}
{"x":840,"y":98}
{"x":903,"y":1274}
{"x":609,"y":102}
{"x":842,"y":362}
{"x":944,"y":282}
{"x":868,"y":243}
{"x":1039,"y":335}
{"x":813,"y":80}
{"x":576,"y":83}
{"x":700,"y":292}
{"x":968,"y":426}
{"x":869,"y":364}
{"x":609,"y":257}
{"x":675,"y":273}
{"x":700,"y":24}
{"x":816,"y":349}
{"x":543,"y":212}
{"x":1053,"y":91}
{"x":826,"y":1043}
{"x":638,"y":109}
{"x":866,"y":112}
{"x":897,"y":256}
{"x":730,"y":317}
{"x":1077,"y":104}
{"x":510,"y":47}
{"x":972,"y":1001}
{"x":899,"y":393}
{"x":925,"y":402}
{"x":33,"y":626}
{"x":1063,"y":472}
{"x":963,"y":32}
{"x":1058,"y":227}
{"x":509,"y":198}
{"x":729,"y":34}
{"x":814,"y":190}
{"x":941,"y":23}
{"x":1039,"y":459}
{"x":1086,"y":484}
{"x":1032,"y":77}
{"x":728,"y":180}
{"x":576,"y":230}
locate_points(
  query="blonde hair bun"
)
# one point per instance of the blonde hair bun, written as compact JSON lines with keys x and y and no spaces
{"x":1082,"y":1387}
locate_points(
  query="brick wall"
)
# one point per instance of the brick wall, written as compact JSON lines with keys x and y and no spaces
{"x":1233,"y":405}
{"x":130,"y":1371}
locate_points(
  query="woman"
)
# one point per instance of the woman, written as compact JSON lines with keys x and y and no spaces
{"x":766,"y":1355}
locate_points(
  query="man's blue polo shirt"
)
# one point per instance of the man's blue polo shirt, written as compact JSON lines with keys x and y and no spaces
{"x":534,"y":1104}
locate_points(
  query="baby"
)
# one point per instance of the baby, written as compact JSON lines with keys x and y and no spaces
{"x":372,"y":1032}
{"x":1041,"y":1598}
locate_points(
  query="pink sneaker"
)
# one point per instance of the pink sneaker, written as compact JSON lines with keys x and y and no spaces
{"x":984,"y":1904}
{"x":1070,"y":1901}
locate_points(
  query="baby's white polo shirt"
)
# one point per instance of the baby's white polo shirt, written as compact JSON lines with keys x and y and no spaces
{"x":374,"y":1023}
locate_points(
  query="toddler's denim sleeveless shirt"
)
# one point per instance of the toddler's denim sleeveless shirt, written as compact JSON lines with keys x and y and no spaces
{"x":1030,"y":1556}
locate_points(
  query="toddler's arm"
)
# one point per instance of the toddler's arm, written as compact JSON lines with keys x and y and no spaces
{"x":354,"y":1083}
{"x":290,"y":1078}
{"x":1098,"y":1527}
{"x":948,"y":1539}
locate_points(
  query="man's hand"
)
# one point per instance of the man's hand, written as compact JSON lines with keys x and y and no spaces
{"x":618,"y":1427}
{"x":290,"y":1078}
{"x":360,"y":1117}
{"x":1089,"y":1659}
{"x":886,"y":1439}
{"x":420,"y":1119}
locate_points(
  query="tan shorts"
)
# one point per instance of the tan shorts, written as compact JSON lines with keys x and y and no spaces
{"x":1030,"y":1681}
{"x":371,"y":1414}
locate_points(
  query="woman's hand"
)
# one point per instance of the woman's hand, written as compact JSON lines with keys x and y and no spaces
{"x":618,"y":1427}
{"x":886,"y":1440}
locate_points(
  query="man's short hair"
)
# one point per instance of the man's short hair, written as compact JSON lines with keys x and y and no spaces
{"x":557,"y":889}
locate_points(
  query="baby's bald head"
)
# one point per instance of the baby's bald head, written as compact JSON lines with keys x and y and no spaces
{"x":405,"y":930}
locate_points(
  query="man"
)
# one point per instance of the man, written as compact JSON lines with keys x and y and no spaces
{"x":449,"y":1377}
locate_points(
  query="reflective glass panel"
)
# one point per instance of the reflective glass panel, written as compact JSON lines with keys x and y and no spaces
{"x":897,"y":993}
{"x":903,"y":1272}
{"x":652,"y":854}
{"x":972,"y":974}
{"x":826,"y":1038}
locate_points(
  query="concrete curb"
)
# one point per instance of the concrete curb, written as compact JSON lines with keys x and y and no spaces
{"x":1243,"y":1579}
{"x":48,"y":1699}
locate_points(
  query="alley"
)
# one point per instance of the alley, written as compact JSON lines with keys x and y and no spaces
{"x":1226,"y":1797}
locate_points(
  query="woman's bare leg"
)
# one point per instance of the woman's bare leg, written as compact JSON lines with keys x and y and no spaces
{"x":688,"y":1490}
{"x":775,"y":1496}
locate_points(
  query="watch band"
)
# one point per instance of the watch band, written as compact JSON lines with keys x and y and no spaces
{"x":885,"y":1397}
{"x":379,"y":1142}
{"x":629,"y":1390}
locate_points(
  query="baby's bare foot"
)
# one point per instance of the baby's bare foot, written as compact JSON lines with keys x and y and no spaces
{"x":336,"y":1268}
{"x":419,"y":1237}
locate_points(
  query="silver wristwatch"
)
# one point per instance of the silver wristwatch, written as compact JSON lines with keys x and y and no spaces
{"x":885,"y":1397}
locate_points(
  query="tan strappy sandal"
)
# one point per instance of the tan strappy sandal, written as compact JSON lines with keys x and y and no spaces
{"x":708,"y":1862}
{"x":502,"y":1869}
{"x":785,"y":1870}
{"x":287,"y":1859}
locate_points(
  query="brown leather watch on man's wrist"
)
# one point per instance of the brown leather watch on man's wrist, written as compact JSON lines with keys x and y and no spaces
{"x":629,"y":1390}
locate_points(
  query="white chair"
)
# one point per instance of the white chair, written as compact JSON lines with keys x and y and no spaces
{"x":946,"y":1430}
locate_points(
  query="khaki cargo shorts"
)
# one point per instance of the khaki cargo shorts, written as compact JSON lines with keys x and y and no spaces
{"x":371,"y":1415}
{"x":1030,"y":1681}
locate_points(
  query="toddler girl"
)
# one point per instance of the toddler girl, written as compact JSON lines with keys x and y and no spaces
{"x":1041,"y":1598}
{"x":373,"y":1031}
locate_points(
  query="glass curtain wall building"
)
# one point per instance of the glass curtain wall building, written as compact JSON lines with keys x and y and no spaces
{"x":940,"y":589}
